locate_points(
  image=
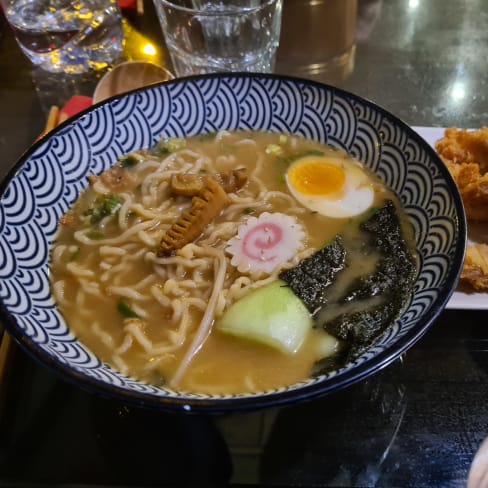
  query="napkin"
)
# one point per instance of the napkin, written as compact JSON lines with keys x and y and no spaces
{"x":127,"y":4}
{"x":73,"y":106}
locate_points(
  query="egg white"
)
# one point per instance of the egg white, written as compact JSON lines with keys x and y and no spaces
{"x":354,"y":197}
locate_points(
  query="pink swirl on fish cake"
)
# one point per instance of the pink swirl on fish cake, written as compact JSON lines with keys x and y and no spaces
{"x":264,"y":243}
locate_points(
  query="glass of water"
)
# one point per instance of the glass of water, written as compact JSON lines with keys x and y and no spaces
{"x":67,"y":36}
{"x":208,"y":36}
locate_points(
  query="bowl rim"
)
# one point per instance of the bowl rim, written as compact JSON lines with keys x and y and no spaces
{"x":254,"y":401}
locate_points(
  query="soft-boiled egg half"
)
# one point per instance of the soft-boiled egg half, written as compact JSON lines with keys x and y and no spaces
{"x":331,"y":186}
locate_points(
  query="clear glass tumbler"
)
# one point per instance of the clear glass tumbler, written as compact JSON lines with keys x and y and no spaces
{"x":208,"y":36}
{"x":318,"y":39}
{"x":67,"y":36}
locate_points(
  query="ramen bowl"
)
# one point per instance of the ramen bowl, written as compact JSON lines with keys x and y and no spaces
{"x":50,"y":176}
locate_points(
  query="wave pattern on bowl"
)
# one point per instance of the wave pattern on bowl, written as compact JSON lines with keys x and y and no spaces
{"x":55,"y":171}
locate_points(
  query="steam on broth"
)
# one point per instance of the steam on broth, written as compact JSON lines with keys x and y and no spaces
{"x":188,"y":316}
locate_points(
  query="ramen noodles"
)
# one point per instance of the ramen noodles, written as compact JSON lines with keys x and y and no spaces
{"x":232,"y":262}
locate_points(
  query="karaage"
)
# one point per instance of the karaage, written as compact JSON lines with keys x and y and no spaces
{"x":475,"y":270}
{"x":466,"y":155}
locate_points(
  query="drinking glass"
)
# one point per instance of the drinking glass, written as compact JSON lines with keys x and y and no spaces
{"x":319,"y":39}
{"x":207,"y":36}
{"x":67,"y":36}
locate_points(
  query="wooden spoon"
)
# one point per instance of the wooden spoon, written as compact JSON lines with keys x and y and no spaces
{"x":129,"y":76}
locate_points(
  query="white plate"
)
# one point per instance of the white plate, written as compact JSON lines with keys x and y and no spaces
{"x":462,"y":298}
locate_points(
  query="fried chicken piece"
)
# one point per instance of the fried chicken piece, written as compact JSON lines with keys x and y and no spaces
{"x":475,"y":270}
{"x":462,"y":146}
{"x":466,"y":155}
{"x":474,"y":189}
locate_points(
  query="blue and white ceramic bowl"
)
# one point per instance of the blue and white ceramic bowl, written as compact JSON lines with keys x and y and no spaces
{"x":48,"y":179}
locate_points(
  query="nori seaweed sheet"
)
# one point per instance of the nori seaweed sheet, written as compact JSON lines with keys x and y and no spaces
{"x":361,"y":328}
{"x":313,"y":279}
{"x":396,"y":266}
{"x":310,"y":279}
{"x":394,"y":275}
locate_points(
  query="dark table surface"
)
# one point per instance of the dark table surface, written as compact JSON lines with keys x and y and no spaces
{"x":417,"y":423}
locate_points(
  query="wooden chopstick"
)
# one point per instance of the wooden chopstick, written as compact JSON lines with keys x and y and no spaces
{"x":140,"y":7}
{"x":52,"y":119}
{"x":7,"y":351}
{"x":63,"y":117}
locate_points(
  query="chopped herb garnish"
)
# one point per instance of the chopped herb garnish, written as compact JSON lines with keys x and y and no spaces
{"x":102,"y":207}
{"x":283,"y":139}
{"x":169,"y":145}
{"x":249,"y":211}
{"x":125,"y":310}
{"x":274,"y":149}
{"x":281,"y":178}
{"x":128,"y":160}
{"x":95,"y":235}
{"x":314,"y":152}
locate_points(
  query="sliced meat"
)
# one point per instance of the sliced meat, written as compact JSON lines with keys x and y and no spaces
{"x":190,"y":184}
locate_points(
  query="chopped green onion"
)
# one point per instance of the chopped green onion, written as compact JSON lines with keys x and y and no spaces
{"x":314,"y":152}
{"x":274,"y":150}
{"x":249,"y":211}
{"x":281,"y":178}
{"x":169,"y":145}
{"x":125,"y":310}
{"x":283,"y":139}
{"x":103,"y":207}
{"x":128,"y":160}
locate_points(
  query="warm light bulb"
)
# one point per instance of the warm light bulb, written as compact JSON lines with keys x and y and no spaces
{"x":149,"y":49}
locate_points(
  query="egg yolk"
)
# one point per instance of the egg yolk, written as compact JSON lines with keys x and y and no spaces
{"x":316,"y":177}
